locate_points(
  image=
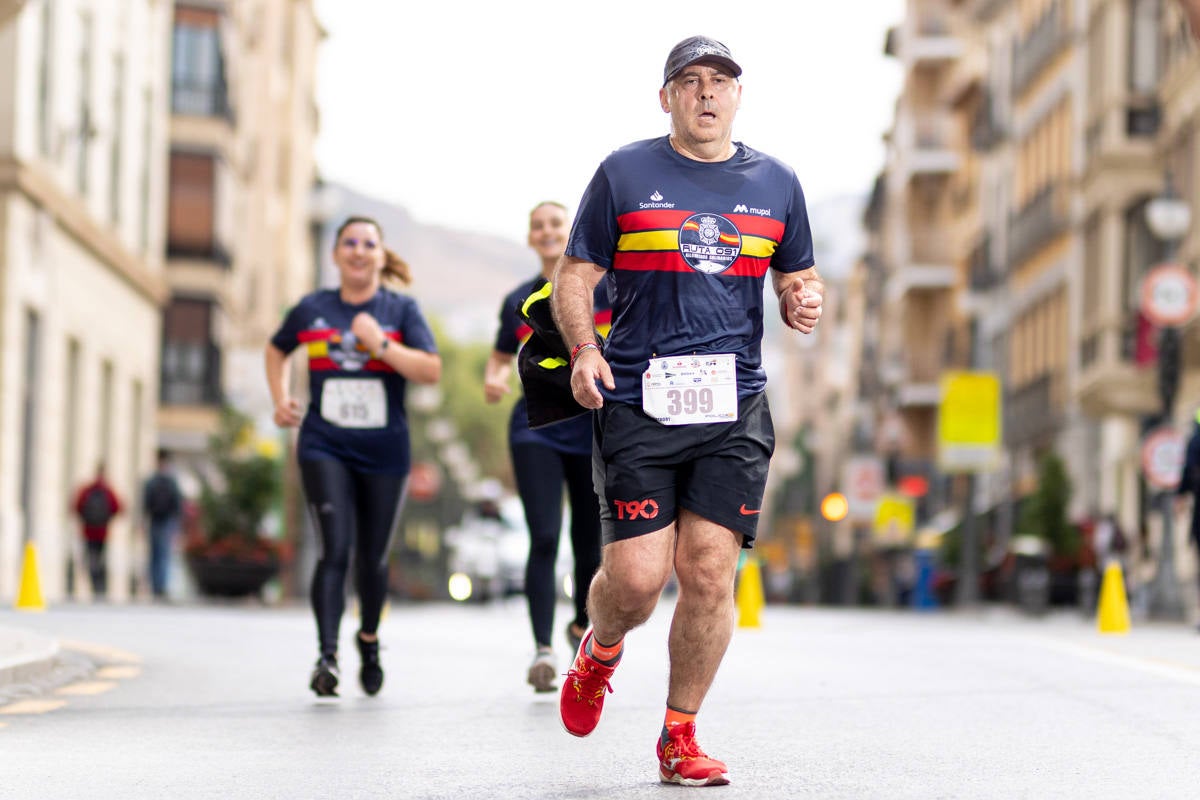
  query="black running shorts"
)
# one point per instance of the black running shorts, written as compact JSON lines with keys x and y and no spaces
{"x":644,"y":471}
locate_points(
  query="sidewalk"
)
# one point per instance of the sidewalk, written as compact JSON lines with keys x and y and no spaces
{"x":32,"y":663}
{"x":25,"y":656}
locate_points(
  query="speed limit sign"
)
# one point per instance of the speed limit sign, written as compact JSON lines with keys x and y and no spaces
{"x":1169,"y":295}
{"x":1162,"y":458}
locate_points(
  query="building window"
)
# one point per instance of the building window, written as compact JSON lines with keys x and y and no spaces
{"x":45,"y":78}
{"x":191,"y":363}
{"x":118,"y":136}
{"x":1141,"y":253}
{"x":191,"y":208}
{"x":197,"y":70}
{"x":144,"y":181}
{"x":106,"y":407}
{"x":1143,"y":46}
{"x":29,"y":416}
{"x":70,"y":424}
{"x":85,"y":101}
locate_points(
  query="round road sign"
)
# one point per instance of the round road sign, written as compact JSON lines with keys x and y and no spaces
{"x":1162,"y":457}
{"x":1169,"y":295}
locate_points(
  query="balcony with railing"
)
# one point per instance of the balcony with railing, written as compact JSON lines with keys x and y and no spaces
{"x":929,"y":267}
{"x":1042,"y":219}
{"x":931,"y":38}
{"x":984,"y":272}
{"x":191,"y":373}
{"x":1116,"y":358}
{"x":1048,"y":38}
{"x":933,"y":144}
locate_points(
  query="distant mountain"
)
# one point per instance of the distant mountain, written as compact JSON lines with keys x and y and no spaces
{"x":459,"y":277}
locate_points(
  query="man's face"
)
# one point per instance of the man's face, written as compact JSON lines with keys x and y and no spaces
{"x":702,"y":101}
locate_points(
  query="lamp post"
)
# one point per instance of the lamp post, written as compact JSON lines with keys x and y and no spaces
{"x":1168,"y":218}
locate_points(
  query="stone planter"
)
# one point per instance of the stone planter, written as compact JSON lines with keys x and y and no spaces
{"x":228,"y":576}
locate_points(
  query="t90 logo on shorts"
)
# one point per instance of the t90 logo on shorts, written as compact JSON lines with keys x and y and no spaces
{"x":634,"y":509}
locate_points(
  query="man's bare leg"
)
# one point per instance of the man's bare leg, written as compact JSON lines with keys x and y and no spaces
{"x":630,"y":580}
{"x":705,"y":566}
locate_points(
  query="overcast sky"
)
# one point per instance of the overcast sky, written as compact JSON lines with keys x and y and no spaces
{"x":469,"y":113}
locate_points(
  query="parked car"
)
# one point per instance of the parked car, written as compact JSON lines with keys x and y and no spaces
{"x":489,"y":548}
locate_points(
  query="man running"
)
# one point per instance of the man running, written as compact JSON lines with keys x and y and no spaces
{"x":684,"y":228}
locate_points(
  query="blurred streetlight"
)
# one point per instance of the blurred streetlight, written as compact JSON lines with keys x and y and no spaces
{"x":1168,"y":217}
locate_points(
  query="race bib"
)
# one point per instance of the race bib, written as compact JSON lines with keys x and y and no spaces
{"x":690,"y":390}
{"x":354,"y":402}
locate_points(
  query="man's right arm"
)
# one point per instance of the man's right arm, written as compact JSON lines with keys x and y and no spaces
{"x":575,"y":282}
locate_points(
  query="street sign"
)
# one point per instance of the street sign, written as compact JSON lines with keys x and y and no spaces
{"x":1169,"y":295}
{"x":894,"y":520}
{"x":862,"y":483}
{"x":1162,"y":457}
{"x":969,"y":422}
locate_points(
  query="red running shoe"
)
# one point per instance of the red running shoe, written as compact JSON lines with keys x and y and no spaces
{"x":680,"y":759}
{"x":582,"y":697}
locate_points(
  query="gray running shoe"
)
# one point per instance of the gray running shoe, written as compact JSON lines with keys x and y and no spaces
{"x":542,"y":671}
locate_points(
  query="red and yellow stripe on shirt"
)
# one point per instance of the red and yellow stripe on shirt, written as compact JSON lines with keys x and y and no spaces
{"x":317,"y":342}
{"x":650,"y":242}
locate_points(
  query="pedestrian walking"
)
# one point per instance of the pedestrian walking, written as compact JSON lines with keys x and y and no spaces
{"x":162,"y":509}
{"x":96,"y":503}
{"x":548,"y":458}
{"x":683,"y":229}
{"x":364,"y":342}
{"x":1189,"y":482}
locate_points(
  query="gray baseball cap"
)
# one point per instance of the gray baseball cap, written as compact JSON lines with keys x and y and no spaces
{"x":698,"y":48}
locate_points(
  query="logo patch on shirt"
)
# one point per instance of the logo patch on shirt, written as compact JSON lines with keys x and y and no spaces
{"x":709,"y":243}
{"x":656,"y":201}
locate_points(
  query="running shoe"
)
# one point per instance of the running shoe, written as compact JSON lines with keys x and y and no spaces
{"x":370,"y":674}
{"x":582,"y":697}
{"x":574,"y":638}
{"x":542,"y":671}
{"x":325,"y":677}
{"x":680,"y":759}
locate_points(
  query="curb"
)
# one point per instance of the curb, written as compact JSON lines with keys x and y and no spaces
{"x":31,"y":665}
{"x":25,"y":656}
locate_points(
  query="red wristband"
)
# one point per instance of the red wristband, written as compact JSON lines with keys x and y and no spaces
{"x":579,"y":348}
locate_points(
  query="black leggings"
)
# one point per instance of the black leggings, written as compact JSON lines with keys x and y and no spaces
{"x":352,"y":510}
{"x":540,"y":472}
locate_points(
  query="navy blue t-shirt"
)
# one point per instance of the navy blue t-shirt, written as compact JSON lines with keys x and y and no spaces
{"x":570,"y":436}
{"x":369,"y":430}
{"x":687,"y":245}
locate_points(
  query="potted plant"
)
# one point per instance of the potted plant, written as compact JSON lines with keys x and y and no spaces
{"x":227,"y":553}
{"x":1047,"y":538}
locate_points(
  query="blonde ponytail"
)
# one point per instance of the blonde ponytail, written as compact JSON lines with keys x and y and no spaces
{"x":395,"y":268}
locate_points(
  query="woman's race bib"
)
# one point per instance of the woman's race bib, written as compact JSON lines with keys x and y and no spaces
{"x":354,"y":402}
{"x":690,"y":390}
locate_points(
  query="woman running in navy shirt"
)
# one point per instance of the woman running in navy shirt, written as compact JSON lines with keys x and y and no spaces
{"x":364,"y":342}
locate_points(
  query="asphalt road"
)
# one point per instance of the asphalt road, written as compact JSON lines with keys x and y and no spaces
{"x":208,"y":702}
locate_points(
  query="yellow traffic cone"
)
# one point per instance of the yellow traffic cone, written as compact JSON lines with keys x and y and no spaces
{"x":1112,"y":613}
{"x":750,"y":600}
{"x":29,"y":593}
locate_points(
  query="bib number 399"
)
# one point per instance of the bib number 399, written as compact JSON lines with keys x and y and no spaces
{"x":689,"y":401}
{"x":691,"y":390}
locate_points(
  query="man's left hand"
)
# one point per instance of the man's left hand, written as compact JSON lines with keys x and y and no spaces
{"x":800,"y":305}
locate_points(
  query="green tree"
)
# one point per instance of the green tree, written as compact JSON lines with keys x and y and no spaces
{"x":482,"y":427}
{"x":1044,"y":513}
